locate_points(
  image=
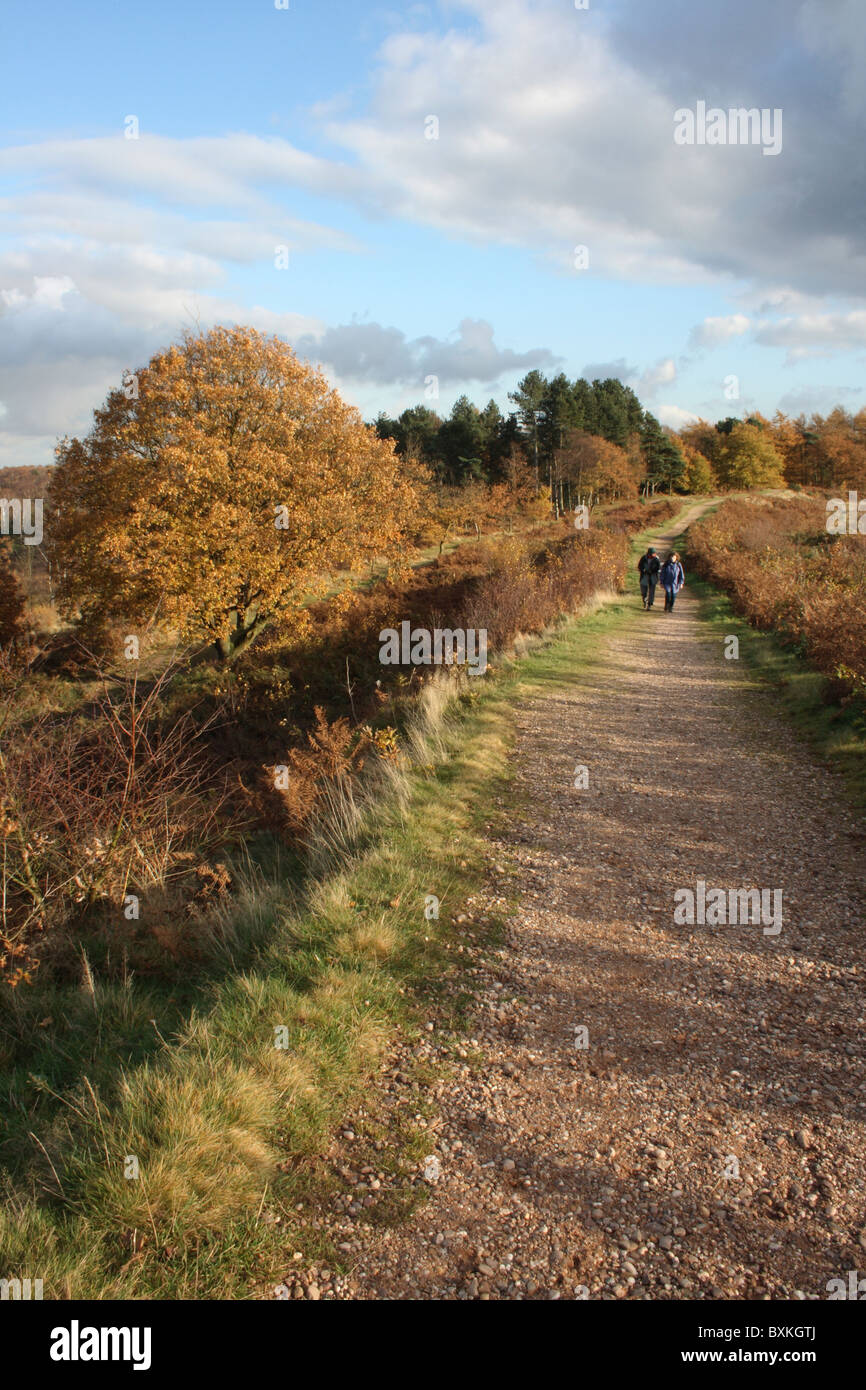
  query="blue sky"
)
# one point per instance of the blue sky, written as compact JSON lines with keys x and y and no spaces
{"x":452,"y":257}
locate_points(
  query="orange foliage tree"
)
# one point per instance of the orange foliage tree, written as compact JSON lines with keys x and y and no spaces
{"x":594,"y":467}
{"x":219,"y":488}
{"x":702,"y":438}
{"x":841,"y":448}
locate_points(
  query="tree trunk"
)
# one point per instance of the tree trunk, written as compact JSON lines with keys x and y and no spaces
{"x":244,"y":629}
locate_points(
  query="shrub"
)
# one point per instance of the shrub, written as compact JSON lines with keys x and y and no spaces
{"x":784,"y":572}
{"x":630,"y":518}
{"x":91,"y":812}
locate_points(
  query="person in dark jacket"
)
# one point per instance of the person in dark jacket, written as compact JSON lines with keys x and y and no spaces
{"x":648,"y":569}
{"x":673,"y":577}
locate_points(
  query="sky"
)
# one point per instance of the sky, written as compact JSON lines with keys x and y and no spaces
{"x":403,"y":192}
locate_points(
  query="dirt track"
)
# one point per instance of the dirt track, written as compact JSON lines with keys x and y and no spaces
{"x":709,"y":1141}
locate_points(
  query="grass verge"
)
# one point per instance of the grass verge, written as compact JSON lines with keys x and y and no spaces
{"x":835,"y":732}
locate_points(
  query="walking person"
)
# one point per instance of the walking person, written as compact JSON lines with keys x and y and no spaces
{"x":648,"y":568}
{"x":673,"y":577}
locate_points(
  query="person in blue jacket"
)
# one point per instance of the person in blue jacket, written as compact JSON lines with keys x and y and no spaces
{"x":673,"y":577}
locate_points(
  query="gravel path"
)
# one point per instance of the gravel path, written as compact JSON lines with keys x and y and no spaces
{"x":709,"y":1140}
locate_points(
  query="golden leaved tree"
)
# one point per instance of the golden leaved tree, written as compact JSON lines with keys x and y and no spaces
{"x":748,"y":458}
{"x":596,"y":468}
{"x":219,"y":488}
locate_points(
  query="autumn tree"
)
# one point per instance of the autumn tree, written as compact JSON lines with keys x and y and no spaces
{"x":749,"y":458}
{"x":788,"y":441}
{"x":841,"y":448}
{"x":699,"y":476}
{"x":858,"y":470}
{"x":218,"y":488}
{"x":699,"y":436}
{"x":516,"y":497}
{"x":594,"y":467}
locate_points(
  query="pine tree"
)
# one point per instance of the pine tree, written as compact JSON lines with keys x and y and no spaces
{"x":528,"y":398}
{"x":663,"y":457}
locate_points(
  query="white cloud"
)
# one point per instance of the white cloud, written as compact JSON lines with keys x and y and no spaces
{"x":48,"y":292}
{"x":815,"y":334}
{"x":553,"y":132}
{"x":674,"y":416}
{"x":205,"y":171}
{"x":66,"y":340}
{"x":662,"y":374}
{"x":601,"y":371}
{"x":545,"y":138}
{"x":806,"y":400}
{"x":23,"y":450}
{"x":715,"y":331}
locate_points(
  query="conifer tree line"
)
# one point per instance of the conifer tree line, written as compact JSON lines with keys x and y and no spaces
{"x":583,"y":440}
{"x":579,"y":439}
